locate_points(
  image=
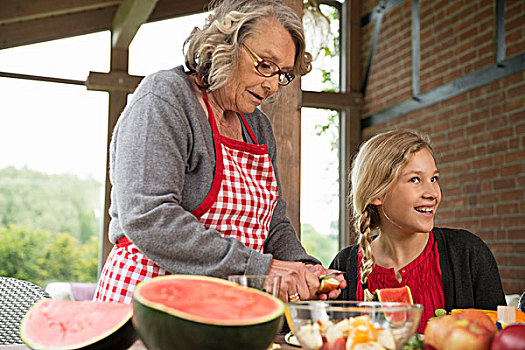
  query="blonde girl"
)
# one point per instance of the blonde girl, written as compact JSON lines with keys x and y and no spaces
{"x":394,"y":196}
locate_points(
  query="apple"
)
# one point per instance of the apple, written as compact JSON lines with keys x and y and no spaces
{"x":437,"y":330}
{"x":479,"y":317}
{"x":468,"y":335}
{"x":511,"y":337}
{"x":453,"y":333}
{"x":328,"y":285}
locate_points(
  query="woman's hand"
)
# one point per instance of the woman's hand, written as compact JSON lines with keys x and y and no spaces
{"x":296,"y":278}
{"x":319,"y":271}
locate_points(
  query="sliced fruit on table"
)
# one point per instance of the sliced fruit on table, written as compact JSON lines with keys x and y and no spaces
{"x":185,"y":312}
{"x":67,"y":324}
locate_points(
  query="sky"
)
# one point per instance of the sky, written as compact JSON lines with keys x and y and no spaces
{"x":62,"y":128}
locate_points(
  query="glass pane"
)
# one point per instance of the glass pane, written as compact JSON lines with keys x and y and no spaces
{"x":320,"y":183}
{"x":71,"y":58}
{"x":52,"y":169}
{"x":158,"y":45}
{"x":322,"y":35}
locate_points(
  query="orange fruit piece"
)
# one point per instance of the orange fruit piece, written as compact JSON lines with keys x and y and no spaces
{"x":362,"y":331}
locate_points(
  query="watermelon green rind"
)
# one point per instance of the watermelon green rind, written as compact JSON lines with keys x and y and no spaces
{"x":153,"y":325}
{"x":162,"y":307}
{"x":119,"y":336}
{"x":161,"y":327}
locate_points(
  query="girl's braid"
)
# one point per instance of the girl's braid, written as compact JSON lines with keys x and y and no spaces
{"x":365,"y":241}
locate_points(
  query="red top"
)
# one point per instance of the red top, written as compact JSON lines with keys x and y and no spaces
{"x":422,"y":275}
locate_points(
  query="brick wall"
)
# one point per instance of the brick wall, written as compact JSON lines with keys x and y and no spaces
{"x":479,"y":136}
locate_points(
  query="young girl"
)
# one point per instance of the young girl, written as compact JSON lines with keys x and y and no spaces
{"x":395,"y":194}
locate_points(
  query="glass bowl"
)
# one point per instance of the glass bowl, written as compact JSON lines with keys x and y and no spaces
{"x":352,"y":324}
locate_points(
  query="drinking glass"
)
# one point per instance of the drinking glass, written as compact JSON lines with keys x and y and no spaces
{"x":270,"y":284}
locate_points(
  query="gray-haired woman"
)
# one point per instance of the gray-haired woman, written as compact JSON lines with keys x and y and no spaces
{"x":195,"y":186}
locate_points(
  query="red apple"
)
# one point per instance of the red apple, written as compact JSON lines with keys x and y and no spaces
{"x":511,"y":337}
{"x":468,"y":335}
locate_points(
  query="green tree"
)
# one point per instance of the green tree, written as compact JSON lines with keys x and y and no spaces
{"x":39,"y":257}
{"x":318,"y":245}
{"x":55,"y":203}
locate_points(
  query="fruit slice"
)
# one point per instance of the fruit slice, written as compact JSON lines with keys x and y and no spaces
{"x":328,"y":284}
{"x":198,"y":312}
{"x":67,"y":324}
{"x":396,"y":295}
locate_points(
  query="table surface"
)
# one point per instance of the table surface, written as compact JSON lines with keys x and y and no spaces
{"x":279,"y":339}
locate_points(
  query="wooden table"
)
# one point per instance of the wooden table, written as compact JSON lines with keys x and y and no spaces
{"x":279,"y":339}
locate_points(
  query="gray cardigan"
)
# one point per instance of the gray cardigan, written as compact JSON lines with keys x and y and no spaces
{"x":162,"y":163}
{"x":469,"y":271}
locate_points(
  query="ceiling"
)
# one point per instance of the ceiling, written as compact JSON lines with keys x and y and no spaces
{"x":24,"y":22}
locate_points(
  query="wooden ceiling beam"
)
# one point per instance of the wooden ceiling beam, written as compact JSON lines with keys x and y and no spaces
{"x":67,"y":25}
{"x":25,"y":10}
{"x":176,"y":8}
{"x":130,"y":15}
{"x":57,"y":27}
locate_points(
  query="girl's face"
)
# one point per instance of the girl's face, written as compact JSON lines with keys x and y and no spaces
{"x":411,"y":204}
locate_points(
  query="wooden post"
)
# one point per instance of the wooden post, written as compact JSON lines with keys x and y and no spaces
{"x":285,"y":115}
{"x":350,"y":134}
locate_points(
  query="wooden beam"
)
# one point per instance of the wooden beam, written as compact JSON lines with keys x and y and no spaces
{"x":113,"y":81}
{"x":44,"y":28}
{"x":170,"y":8}
{"x":350,"y":129}
{"x":331,"y":100}
{"x":50,"y":28}
{"x":285,"y":115}
{"x":25,"y":10}
{"x":117,"y":102}
{"x":130,"y":15}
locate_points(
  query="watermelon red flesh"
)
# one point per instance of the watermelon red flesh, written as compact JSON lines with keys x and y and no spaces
{"x":398,"y":295}
{"x":65,"y":324}
{"x":196,"y":312}
{"x":205,"y":300}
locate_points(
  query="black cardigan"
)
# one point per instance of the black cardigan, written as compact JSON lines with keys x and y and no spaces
{"x":469,"y":271}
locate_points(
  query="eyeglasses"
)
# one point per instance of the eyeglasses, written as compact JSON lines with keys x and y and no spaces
{"x":268,"y":68}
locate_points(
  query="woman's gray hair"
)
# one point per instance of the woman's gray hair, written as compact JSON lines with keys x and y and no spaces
{"x":213,"y":51}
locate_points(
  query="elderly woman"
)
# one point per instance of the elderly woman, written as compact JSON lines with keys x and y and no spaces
{"x":195,"y":184}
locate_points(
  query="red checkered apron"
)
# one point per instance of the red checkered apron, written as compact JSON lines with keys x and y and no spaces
{"x":239,"y":205}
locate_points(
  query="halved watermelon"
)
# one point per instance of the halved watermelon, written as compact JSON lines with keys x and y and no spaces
{"x":67,"y":324}
{"x":184,"y":312}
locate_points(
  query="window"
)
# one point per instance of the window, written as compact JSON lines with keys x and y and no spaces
{"x":52,"y":169}
{"x":320,"y":147}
